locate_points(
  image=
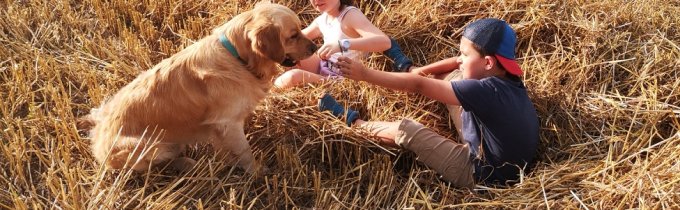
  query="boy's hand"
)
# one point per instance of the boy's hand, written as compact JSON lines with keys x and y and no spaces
{"x":327,"y":50}
{"x":351,"y":69}
{"x":418,"y":71}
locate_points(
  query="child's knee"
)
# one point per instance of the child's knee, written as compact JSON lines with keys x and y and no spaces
{"x":407,"y":133}
{"x":288,"y":79}
{"x":414,"y":136}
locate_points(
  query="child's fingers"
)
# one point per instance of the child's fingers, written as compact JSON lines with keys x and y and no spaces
{"x":344,"y":59}
{"x":326,"y":51}
{"x":323,"y":52}
{"x":345,"y":68}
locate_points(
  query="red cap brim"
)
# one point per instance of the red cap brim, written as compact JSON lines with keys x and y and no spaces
{"x":510,"y":65}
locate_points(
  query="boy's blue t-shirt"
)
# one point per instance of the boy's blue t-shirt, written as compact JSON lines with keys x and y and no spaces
{"x":499,"y":116}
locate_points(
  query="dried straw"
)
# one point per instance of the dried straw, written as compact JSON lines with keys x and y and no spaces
{"x":603,"y":76}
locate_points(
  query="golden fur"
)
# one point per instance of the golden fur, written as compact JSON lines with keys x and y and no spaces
{"x":202,"y":93}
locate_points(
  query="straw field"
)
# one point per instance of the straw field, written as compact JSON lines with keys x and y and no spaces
{"x":603,"y":76}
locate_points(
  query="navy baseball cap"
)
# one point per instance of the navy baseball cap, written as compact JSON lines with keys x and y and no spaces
{"x":495,"y":36}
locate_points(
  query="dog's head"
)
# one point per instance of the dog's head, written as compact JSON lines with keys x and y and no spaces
{"x":274,"y":32}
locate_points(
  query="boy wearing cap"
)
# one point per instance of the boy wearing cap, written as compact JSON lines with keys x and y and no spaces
{"x":497,"y":123}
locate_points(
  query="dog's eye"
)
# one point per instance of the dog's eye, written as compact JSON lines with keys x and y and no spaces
{"x":295,"y":36}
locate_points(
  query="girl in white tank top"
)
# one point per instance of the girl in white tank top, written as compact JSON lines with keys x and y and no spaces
{"x":332,"y":32}
{"x":339,"y":21}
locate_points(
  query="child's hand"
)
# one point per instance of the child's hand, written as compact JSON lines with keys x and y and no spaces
{"x":351,"y":69}
{"x":327,"y":50}
{"x":418,"y":71}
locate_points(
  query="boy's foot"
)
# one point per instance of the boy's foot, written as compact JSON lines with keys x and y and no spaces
{"x":401,"y":62}
{"x":328,"y":103}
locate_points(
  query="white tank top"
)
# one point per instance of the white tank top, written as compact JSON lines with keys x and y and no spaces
{"x":332,"y":32}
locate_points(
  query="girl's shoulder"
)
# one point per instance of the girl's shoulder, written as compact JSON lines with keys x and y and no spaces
{"x":352,"y":14}
{"x":351,"y":11}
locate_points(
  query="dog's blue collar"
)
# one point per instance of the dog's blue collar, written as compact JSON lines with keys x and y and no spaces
{"x":230,"y":47}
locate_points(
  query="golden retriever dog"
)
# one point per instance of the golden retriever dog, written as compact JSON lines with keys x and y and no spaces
{"x":201,"y":94}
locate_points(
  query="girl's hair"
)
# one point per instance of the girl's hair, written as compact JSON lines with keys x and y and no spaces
{"x":345,"y":3}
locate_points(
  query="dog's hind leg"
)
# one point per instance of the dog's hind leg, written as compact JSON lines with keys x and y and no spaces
{"x":170,"y":153}
{"x":142,"y":157}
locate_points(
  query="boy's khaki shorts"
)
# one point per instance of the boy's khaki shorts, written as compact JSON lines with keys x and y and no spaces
{"x":447,"y":157}
{"x":454,"y":110}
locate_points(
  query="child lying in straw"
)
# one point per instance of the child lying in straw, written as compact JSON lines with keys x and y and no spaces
{"x":344,"y":29}
{"x":497,"y":123}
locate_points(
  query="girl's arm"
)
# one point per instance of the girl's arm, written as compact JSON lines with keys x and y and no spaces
{"x":371,"y":38}
{"x":439,"y":67}
{"x":312,"y":31}
{"x":440,"y":90}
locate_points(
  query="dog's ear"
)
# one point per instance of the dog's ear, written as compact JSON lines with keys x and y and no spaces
{"x":265,"y":38}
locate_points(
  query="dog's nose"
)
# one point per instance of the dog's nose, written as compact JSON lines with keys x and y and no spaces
{"x":313,"y":48}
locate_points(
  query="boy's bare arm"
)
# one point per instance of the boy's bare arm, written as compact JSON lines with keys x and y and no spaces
{"x":439,"y":90}
{"x":439,"y":67}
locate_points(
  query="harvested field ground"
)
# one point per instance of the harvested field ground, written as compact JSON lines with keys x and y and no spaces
{"x":603,"y":75}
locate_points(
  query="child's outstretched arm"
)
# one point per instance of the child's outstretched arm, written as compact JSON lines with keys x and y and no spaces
{"x":439,"y":67}
{"x":439,"y":90}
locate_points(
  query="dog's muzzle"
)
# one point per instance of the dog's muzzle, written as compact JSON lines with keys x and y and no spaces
{"x":288,"y":62}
